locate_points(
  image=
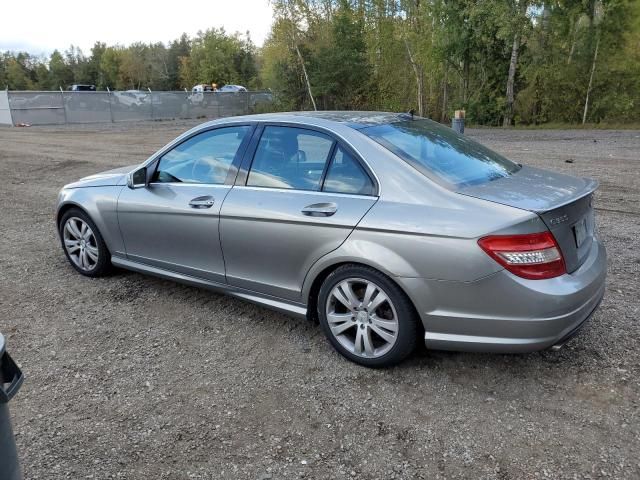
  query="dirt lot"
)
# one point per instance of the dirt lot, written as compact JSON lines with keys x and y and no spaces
{"x":135,"y":377}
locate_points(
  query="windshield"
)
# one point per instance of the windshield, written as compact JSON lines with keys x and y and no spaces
{"x":437,"y":151}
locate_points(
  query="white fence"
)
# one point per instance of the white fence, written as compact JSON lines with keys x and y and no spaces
{"x":51,"y":108}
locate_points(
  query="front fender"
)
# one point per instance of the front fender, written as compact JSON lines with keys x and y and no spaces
{"x":100,"y":203}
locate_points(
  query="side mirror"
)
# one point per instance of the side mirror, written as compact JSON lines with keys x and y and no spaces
{"x":138,"y":178}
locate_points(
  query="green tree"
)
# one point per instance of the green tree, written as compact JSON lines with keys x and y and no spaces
{"x":217,"y":57}
{"x":110,"y":61}
{"x":178,"y":49}
{"x":60,"y":73}
{"x":17,"y":75}
{"x":341,"y":72}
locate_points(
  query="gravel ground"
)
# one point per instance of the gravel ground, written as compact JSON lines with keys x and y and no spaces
{"x":136,"y":377}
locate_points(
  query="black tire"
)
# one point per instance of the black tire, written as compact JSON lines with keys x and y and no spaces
{"x":408,"y":322}
{"x":103,"y":266}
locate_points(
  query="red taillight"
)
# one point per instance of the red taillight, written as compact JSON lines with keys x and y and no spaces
{"x":533,"y":255}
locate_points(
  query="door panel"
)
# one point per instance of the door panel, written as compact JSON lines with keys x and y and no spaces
{"x":269,"y":243}
{"x":175,"y":227}
{"x":173,"y":223}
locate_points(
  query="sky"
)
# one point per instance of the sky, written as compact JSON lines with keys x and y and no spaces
{"x":40,"y":26}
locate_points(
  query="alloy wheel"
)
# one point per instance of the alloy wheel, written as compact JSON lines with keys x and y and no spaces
{"x":362,"y":317}
{"x":80,"y":243}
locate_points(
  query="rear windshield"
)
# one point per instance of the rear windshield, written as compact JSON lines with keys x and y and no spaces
{"x":437,"y":151}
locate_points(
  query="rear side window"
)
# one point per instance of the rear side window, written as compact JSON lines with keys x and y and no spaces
{"x":438,"y":151}
{"x":289,"y":157}
{"x":346,"y":175}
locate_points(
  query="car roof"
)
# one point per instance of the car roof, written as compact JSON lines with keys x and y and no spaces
{"x":353,"y":119}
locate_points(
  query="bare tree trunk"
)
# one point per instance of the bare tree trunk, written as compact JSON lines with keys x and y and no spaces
{"x":574,"y":39}
{"x":465,"y":78}
{"x":430,"y":98}
{"x":292,"y":18}
{"x":445,"y":94}
{"x":593,"y":69}
{"x":306,"y":77}
{"x":508,"y":116}
{"x":419,"y":79}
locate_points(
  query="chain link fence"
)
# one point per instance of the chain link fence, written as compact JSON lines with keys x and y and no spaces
{"x":62,"y":107}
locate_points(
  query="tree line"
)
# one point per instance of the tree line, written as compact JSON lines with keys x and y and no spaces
{"x":210,"y":56}
{"x":503,"y":61}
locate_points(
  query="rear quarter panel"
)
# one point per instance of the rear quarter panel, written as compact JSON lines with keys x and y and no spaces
{"x":419,"y":229}
{"x":405,"y":240}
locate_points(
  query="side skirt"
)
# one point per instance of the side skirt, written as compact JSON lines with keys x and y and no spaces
{"x":294,"y":309}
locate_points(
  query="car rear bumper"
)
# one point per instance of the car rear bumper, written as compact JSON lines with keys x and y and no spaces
{"x":508,"y":314}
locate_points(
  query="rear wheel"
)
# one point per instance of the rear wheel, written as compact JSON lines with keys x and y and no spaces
{"x":83,"y":245}
{"x":367,"y":317}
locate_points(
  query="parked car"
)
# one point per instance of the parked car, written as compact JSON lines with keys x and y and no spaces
{"x":232,"y":88}
{"x":258,"y":99}
{"x":203,"y":87}
{"x":201,"y":95}
{"x":81,"y":100}
{"x":82,"y":88}
{"x":133,"y":99}
{"x":387,"y":228}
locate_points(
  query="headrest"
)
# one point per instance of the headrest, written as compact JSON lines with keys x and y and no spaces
{"x":283,"y":141}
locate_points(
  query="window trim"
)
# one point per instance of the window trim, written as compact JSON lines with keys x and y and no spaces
{"x":328,"y":169}
{"x":154,"y":163}
{"x":250,"y":152}
{"x":327,"y":161}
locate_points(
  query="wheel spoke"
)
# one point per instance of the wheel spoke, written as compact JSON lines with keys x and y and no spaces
{"x":390,"y":325}
{"x":363,"y":342}
{"x":339,"y":322}
{"x":344,"y":294}
{"x":383,"y":334}
{"x":341,"y":328}
{"x":357,"y":344}
{"x":72,"y":245}
{"x":92,"y":252}
{"x":73,"y":229}
{"x":376,"y":302}
{"x":368,"y":294}
{"x":338,"y":317}
{"x":368,"y":342}
{"x":81,"y":259}
{"x":88,"y":234}
{"x":351,"y":296}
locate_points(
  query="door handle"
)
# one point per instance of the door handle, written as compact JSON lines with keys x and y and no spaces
{"x":202,"y":202}
{"x":320,"y":210}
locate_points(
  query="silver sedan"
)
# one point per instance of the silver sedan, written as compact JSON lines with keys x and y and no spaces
{"x":386,"y":228}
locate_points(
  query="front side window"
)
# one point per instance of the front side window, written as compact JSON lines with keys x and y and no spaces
{"x":346,"y":175}
{"x":204,"y":158}
{"x":438,"y":151}
{"x":289,"y":157}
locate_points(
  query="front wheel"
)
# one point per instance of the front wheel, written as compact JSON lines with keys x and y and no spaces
{"x":367,"y":317}
{"x":83,"y":245}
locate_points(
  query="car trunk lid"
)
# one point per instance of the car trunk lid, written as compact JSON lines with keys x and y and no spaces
{"x":563,"y":202}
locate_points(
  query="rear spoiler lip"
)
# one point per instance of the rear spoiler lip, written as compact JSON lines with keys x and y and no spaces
{"x":591,"y":187}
